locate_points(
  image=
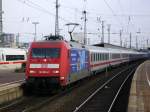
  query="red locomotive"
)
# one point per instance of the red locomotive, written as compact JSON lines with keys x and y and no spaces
{"x":54,"y":63}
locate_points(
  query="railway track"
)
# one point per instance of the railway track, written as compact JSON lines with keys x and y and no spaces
{"x":30,"y":103}
{"x":103,"y":99}
{"x":35,"y":103}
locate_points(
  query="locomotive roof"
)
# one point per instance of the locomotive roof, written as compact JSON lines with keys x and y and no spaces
{"x":91,"y":48}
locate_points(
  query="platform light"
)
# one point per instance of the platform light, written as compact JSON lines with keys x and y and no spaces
{"x":32,"y":71}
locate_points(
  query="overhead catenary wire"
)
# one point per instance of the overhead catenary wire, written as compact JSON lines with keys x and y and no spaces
{"x":113,"y":12}
{"x":39,"y":8}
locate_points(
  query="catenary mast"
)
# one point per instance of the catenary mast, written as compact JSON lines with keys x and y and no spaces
{"x":57,"y":20}
{"x":1,"y":24}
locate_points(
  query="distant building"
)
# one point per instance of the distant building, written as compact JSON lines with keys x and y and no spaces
{"x":7,"y":40}
{"x":24,"y":45}
{"x":1,"y":22}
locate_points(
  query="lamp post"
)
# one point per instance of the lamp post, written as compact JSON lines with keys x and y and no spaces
{"x":138,"y":32}
{"x":35,"y":25}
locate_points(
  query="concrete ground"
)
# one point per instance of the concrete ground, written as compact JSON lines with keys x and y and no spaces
{"x":8,"y":74}
{"x":139,"y":100}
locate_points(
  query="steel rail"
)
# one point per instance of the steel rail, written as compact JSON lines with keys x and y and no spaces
{"x":41,"y":103}
{"x":100,"y":88}
{"x":116,"y":96}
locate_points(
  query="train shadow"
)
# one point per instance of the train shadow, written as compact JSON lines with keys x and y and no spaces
{"x":30,"y":90}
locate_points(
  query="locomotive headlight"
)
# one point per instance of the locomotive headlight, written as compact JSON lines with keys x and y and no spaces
{"x":32,"y":71}
{"x":62,"y":78}
{"x":55,"y":71}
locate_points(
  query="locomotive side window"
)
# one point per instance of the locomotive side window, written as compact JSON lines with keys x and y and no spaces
{"x":45,"y":53}
{"x":115,"y":56}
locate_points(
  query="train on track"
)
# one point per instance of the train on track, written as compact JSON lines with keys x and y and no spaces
{"x":12,"y":58}
{"x":55,"y":62}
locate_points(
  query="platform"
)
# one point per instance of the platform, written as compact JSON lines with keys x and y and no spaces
{"x":8,"y":74}
{"x":139,"y":100}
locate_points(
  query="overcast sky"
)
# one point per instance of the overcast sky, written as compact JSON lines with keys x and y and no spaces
{"x":128,"y":15}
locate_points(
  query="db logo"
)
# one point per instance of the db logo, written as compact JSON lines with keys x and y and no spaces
{"x":44,"y":60}
{"x":44,"y":66}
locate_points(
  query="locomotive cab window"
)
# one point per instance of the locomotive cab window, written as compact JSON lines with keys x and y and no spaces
{"x":45,"y":53}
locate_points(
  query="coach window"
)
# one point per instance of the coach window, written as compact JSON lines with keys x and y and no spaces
{"x":3,"y":57}
{"x":104,"y":56}
{"x":107,"y":56}
{"x":91,"y":57}
{"x":94,"y":57}
{"x":100,"y":57}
